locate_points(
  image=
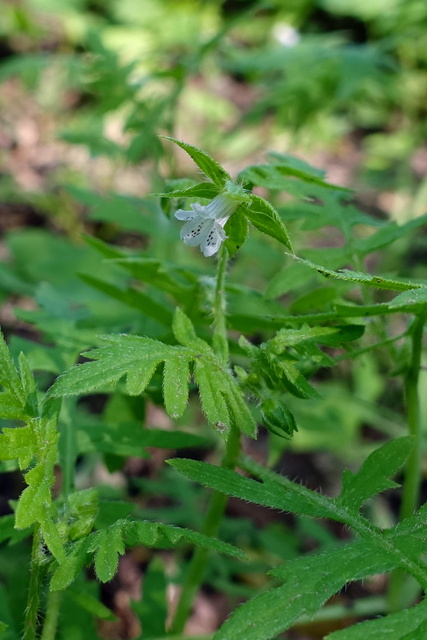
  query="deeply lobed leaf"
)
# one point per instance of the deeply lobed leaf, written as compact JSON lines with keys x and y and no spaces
{"x":310,"y":582}
{"x":137,"y":358}
{"x":409,"y":624}
{"x":107,"y":544}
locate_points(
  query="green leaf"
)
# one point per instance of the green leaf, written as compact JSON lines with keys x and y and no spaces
{"x":82,"y":508}
{"x":210,"y":167}
{"x":108,"y":545}
{"x":155,"y":534}
{"x":185,"y":334}
{"x":291,"y":179}
{"x":237,"y":231}
{"x":128,"y":439}
{"x":291,"y":377}
{"x":410,"y":624}
{"x":202,"y":190}
{"x":389,"y":233}
{"x":409,"y":299}
{"x":52,"y":537}
{"x":132,"y":298}
{"x":9,"y":377}
{"x":242,"y":416}
{"x":137,"y":357}
{"x":291,"y":162}
{"x":67,"y":572}
{"x":212,"y":399}
{"x":178,"y":282}
{"x":6,"y":527}
{"x":310,"y":582}
{"x":176,"y":377}
{"x":138,"y":378}
{"x":18,"y":443}
{"x":290,"y":278}
{"x":152,"y":609}
{"x":37,"y":495}
{"x":292,"y":337}
{"x":359,"y":311}
{"x":11,"y":408}
{"x":88,"y":602}
{"x":124,"y":355}
{"x":266,"y":219}
{"x":373,"y":476}
{"x":29,"y":386}
{"x":320,"y":576}
{"x":361,"y":278}
{"x":297,"y":499}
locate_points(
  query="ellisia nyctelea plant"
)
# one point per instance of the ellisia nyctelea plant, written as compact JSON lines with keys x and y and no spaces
{"x":200,"y":342}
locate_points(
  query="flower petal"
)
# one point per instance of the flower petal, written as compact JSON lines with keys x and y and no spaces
{"x":201,"y":210}
{"x":204,"y":223}
{"x":212,"y":242}
{"x":195,"y":231}
{"x":180,"y":214}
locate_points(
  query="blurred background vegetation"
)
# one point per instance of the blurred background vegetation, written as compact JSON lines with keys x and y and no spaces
{"x":87,"y":86}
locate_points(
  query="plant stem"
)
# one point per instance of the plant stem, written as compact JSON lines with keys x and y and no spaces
{"x":220,"y":341}
{"x":218,"y":502}
{"x":67,"y":447}
{"x":211,"y":525}
{"x":51,"y":619}
{"x":411,"y":487}
{"x":413,"y":472}
{"x":30,"y":622}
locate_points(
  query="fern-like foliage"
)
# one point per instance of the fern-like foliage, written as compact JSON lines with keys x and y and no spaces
{"x":34,"y":445}
{"x":106,"y":545}
{"x":309,"y":581}
{"x":70,"y":533}
{"x":410,"y":624}
{"x":137,"y":358}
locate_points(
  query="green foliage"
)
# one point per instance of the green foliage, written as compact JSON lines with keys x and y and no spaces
{"x":406,"y":625}
{"x":321,"y":346}
{"x":138,"y":358}
{"x":363,"y":278}
{"x":106,"y":545}
{"x":210,"y":168}
{"x":319,"y":576}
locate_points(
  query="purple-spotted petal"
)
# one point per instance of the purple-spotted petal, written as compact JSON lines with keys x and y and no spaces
{"x":204,"y":223}
{"x":180,"y":214}
{"x":194,"y":231}
{"x":212,"y":242}
{"x":201,"y":210}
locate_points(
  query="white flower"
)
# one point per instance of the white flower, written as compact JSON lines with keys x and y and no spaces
{"x":204,"y":224}
{"x":286,"y":35}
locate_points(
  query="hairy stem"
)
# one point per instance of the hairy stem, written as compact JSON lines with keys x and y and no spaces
{"x":411,"y":487}
{"x":30,"y":622}
{"x":218,"y":503}
{"x":211,"y":525}
{"x":220,"y":341}
{"x":67,"y":447}
{"x":51,"y":619}
{"x":413,"y":472}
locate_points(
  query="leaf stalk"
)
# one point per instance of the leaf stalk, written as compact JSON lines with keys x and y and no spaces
{"x":30,"y":621}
